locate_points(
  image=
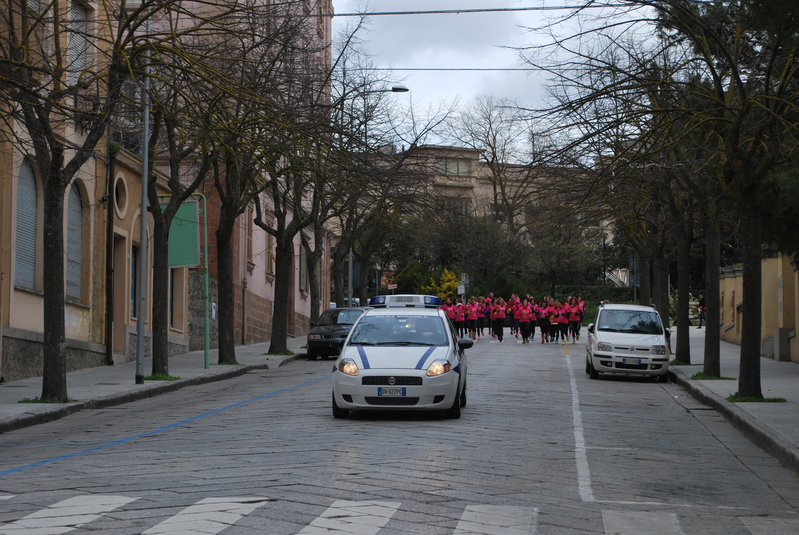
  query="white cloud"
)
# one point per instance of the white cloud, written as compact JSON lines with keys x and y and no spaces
{"x":450,"y":41}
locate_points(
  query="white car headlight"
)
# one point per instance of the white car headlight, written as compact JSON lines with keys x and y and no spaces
{"x":658,"y":350}
{"x":439,"y":367}
{"x":348,"y":367}
{"x":604,"y":346}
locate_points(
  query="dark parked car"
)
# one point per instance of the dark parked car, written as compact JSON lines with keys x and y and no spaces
{"x":328,"y":333}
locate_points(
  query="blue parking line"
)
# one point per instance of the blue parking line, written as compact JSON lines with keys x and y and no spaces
{"x":158,"y":431}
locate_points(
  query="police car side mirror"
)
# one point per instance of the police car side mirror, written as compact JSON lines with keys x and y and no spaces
{"x":465,"y":343}
{"x":591,"y":328}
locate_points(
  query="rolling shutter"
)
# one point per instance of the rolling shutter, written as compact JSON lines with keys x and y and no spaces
{"x":78,"y":42}
{"x":25,"y":275}
{"x":74,"y":244}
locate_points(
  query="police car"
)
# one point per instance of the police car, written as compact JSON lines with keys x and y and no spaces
{"x":406,"y":300}
{"x":401,"y":359}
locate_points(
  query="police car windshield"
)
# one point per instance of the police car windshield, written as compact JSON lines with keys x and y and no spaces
{"x":400,"y":331}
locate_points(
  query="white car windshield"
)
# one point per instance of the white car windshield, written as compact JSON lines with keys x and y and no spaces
{"x":630,"y":321}
{"x":400,"y":330}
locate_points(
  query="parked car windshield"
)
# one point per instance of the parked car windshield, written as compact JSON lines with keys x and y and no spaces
{"x":630,"y":321}
{"x":340,"y":316}
{"x":400,"y":330}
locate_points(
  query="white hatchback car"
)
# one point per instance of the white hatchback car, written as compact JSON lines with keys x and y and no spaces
{"x":404,"y":359}
{"x":627,"y":339}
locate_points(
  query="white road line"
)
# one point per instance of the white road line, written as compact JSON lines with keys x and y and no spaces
{"x":580,"y":455}
{"x":760,"y":525}
{"x":635,"y":523}
{"x":352,"y":518}
{"x":65,"y":516}
{"x":497,"y":520}
{"x":7,"y":496}
{"x":208,"y":516}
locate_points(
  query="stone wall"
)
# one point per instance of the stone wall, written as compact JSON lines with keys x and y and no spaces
{"x":23,"y":354}
{"x":197,"y":312}
{"x":176,"y":346}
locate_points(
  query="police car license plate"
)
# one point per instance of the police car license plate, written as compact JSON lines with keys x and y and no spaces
{"x":631,"y":361}
{"x":391,"y":391}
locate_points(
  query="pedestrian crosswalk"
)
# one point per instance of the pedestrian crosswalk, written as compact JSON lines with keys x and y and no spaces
{"x":66,"y":515}
{"x":215,"y":514}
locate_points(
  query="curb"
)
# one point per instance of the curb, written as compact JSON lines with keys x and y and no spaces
{"x":57,"y":412}
{"x":761,"y":435}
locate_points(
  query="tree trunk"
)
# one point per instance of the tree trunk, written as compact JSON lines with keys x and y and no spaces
{"x":160,"y":301}
{"x":683,"y":287}
{"x":54,"y":373}
{"x":316,"y":285}
{"x":224,"y":256}
{"x":749,"y":379}
{"x":284,"y":257}
{"x":660,"y":289}
{"x":645,"y":274}
{"x":712,"y":366}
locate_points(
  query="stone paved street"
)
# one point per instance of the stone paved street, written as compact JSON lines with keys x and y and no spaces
{"x":540,"y":448}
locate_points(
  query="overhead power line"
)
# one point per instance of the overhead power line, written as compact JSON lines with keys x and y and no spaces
{"x":467,"y":11}
{"x":446,"y":69}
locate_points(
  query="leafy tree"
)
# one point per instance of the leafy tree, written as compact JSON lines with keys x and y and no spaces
{"x":446,"y":286}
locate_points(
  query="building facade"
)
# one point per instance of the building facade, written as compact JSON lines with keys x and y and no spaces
{"x":780,"y":307}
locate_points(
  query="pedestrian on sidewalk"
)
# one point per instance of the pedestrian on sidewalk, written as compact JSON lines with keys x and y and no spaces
{"x":701,"y":308}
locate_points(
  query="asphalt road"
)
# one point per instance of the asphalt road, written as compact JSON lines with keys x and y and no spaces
{"x":540,"y":448}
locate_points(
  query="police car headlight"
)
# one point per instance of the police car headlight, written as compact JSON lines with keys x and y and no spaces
{"x":439,"y":367}
{"x":348,"y":367}
{"x":658,"y":350}
{"x":604,"y":346}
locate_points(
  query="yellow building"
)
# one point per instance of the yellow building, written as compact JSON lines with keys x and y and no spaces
{"x":780,"y":288}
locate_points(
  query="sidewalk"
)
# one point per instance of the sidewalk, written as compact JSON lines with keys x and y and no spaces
{"x":774,"y":427}
{"x":105,"y":386}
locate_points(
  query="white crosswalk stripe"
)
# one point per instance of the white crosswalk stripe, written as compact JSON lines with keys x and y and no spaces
{"x":65,"y":516}
{"x":208,"y":516}
{"x":635,"y":523}
{"x":496,"y":520}
{"x":352,"y":518}
{"x":764,"y":525}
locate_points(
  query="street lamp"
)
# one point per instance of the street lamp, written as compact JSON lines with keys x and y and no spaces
{"x":396,"y":88}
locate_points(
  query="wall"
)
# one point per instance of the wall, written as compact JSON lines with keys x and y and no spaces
{"x":780,"y":307}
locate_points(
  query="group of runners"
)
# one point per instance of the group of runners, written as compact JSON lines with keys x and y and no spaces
{"x":557,"y":321}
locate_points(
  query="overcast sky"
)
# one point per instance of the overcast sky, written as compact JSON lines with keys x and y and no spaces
{"x":451,"y":41}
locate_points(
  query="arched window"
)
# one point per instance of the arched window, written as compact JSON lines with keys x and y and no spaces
{"x":74,"y":244}
{"x":25,"y":275}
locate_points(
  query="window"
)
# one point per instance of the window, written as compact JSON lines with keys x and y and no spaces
{"x":303,"y":269}
{"x":458,"y":205}
{"x":249,"y":235}
{"x":320,"y":20}
{"x":74,"y":244}
{"x":454,"y":166}
{"x":177,"y":284}
{"x":270,"y":247}
{"x":78,"y":42}
{"x":27,"y":228}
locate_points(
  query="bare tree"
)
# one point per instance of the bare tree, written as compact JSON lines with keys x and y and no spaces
{"x":60,"y":82}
